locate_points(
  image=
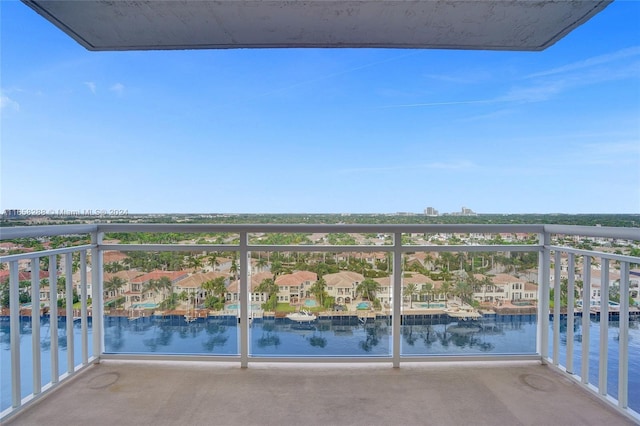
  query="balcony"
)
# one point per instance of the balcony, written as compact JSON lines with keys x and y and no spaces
{"x":442,"y":354}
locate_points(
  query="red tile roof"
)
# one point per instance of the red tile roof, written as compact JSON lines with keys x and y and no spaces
{"x":155,"y":275}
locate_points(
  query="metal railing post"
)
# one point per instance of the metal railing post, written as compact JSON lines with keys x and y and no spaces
{"x":604,"y":329}
{"x":14,"y":312}
{"x":68,"y":263}
{"x":244,"y":300}
{"x":397,"y":298}
{"x":586,"y":318}
{"x":623,"y":356}
{"x":83,"y":308}
{"x":97,"y":303}
{"x":557,"y":269}
{"x":570,"y":312}
{"x":544,"y":276}
{"x":35,"y":325}
{"x":53,"y":317}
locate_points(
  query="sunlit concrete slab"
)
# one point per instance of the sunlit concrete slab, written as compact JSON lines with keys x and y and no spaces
{"x":179,"y":393}
{"x":439,"y":24}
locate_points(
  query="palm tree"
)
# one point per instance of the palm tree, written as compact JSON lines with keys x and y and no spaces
{"x":163,"y":284}
{"x":368,"y":288}
{"x":445,"y":259}
{"x":213,"y":260}
{"x":318,"y":290}
{"x":464,"y":291}
{"x":194,"y":262}
{"x":321,"y":269}
{"x":150,"y":286}
{"x":427,"y":289}
{"x":261,"y":264}
{"x":269,"y":287}
{"x":217,"y":289}
{"x":461,"y":258}
{"x":114,"y":285}
{"x":276,"y":268}
{"x":215,"y":286}
{"x":233,"y":269}
{"x":445,"y":289}
{"x":410,"y":290}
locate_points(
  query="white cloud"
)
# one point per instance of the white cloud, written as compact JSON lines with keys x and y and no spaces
{"x":7,"y":102}
{"x":535,"y":93}
{"x":587,"y":63}
{"x":91,"y":85}
{"x":118,"y":88}
{"x":430,"y":104}
{"x":452,"y":165}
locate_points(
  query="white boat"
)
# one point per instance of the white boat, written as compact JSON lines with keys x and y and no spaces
{"x":463,"y":313}
{"x":301,"y":316}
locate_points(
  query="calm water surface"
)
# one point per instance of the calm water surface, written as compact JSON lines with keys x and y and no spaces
{"x":421,"y":336}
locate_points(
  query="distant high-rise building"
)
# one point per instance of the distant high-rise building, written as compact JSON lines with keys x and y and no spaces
{"x":467,"y":212}
{"x":430,"y":211}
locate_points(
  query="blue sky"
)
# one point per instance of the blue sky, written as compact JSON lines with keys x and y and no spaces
{"x":322,"y":130}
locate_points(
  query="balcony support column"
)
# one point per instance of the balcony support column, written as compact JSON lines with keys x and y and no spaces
{"x":557,"y":269}
{"x":35,"y":326}
{"x":544,"y":277}
{"x":570,"y":311}
{"x":623,"y":349}
{"x":244,"y":300}
{"x":68,"y":266}
{"x":14,"y":312}
{"x":604,"y":329}
{"x":586,"y":318}
{"x":53,"y":317}
{"x":97,"y":302}
{"x":397,"y":298}
{"x":83,"y":301}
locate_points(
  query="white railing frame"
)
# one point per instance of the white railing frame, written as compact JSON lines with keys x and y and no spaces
{"x":97,"y":247}
{"x":17,"y":402}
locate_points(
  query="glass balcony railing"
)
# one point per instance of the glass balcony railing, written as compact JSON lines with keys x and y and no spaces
{"x":351,"y":293}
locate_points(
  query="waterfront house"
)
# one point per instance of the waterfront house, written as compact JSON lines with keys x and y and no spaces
{"x":294,"y":287}
{"x":342,"y":285}
{"x":192,"y":285}
{"x":100,"y":25}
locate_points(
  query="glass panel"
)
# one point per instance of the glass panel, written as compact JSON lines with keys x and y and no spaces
{"x":217,"y":238}
{"x":320,"y":304}
{"x":171,"y":302}
{"x":469,"y":303}
{"x":46,"y":328}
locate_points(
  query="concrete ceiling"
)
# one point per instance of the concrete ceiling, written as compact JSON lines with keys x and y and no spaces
{"x":432,"y":24}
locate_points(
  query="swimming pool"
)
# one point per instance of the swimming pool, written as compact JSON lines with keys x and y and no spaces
{"x":144,"y":305}
{"x":235,"y":307}
{"x":363,"y":305}
{"x":309,"y":303}
{"x":431,"y":305}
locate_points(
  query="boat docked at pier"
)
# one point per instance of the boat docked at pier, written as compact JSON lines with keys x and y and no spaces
{"x":462,"y":312}
{"x":301,"y":316}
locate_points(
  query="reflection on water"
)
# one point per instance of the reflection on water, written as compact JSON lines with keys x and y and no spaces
{"x":340,"y":336}
{"x":26,"y":352}
{"x":171,"y":335}
{"x":496,"y":335}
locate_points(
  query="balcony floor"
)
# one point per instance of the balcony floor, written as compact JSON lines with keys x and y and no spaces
{"x":181,"y":393}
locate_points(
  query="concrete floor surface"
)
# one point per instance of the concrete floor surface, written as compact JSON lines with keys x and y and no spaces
{"x":198,"y":393}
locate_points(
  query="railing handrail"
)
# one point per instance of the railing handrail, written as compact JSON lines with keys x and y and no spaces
{"x":542,"y":244}
{"x":595,"y":231}
{"x":43,"y":253}
{"x":330,"y":228}
{"x":7,"y":233}
{"x":13,"y":232}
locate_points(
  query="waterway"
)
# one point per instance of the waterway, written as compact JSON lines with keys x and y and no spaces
{"x":340,"y":336}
